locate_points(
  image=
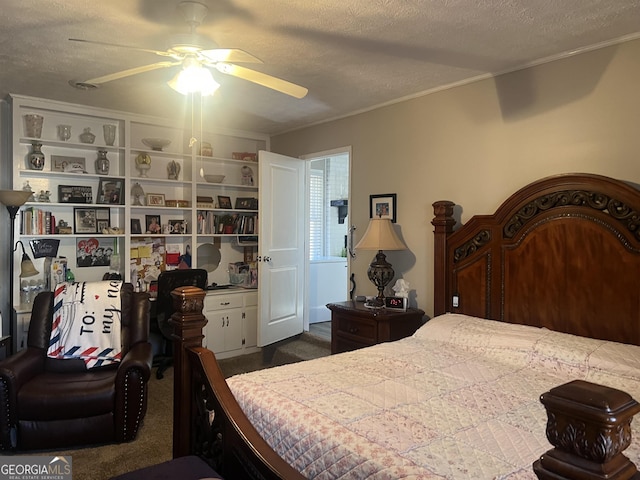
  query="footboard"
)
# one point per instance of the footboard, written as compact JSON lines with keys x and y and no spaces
{"x":208,"y":422}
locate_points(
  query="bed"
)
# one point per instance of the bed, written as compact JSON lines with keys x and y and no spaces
{"x":540,"y":297}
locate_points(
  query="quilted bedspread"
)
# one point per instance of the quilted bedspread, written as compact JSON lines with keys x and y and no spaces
{"x":459,"y":399}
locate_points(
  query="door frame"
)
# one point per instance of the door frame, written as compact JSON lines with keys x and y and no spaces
{"x":308,"y":158}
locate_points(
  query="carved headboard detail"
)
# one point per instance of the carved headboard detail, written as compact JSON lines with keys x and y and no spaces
{"x":562,"y":253}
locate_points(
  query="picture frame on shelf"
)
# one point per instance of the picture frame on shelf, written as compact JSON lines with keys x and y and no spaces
{"x":152,"y":224}
{"x":383,"y":206}
{"x":65,"y":163}
{"x":136,"y":228}
{"x":75,"y":194}
{"x":87,"y":220}
{"x":110,"y":191}
{"x":246,"y":203}
{"x":155,"y":199}
{"x":93,"y":252}
{"x":178,"y":226}
{"x":224,"y":202}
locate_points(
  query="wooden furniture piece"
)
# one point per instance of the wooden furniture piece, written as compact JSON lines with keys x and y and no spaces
{"x":561,"y":253}
{"x":355,"y":326}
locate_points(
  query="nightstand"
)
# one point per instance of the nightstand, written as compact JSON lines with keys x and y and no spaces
{"x":355,"y":326}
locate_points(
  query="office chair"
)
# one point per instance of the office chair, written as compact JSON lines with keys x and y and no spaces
{"x":167,"y":282}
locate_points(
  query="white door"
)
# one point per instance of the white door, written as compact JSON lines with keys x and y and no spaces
{"x":281,"y":271}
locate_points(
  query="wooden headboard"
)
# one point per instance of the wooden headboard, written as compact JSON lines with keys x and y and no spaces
{"x":562,"y":253}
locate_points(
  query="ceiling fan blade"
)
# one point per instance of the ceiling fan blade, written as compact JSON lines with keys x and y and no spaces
{"x":157,"y":52}
{"x":229,"y":55}
{"x":262,"y":79}
{"x":129,"y":72}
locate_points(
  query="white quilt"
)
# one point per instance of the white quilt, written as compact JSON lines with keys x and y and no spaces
{"x":86,"y":322}
{"x":458,"y":400}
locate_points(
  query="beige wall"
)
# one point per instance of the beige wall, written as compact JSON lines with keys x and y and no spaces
{"x":478,"y":143}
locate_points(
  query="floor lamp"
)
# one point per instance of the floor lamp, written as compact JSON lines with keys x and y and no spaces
{"x":13,"y":200}
{"x":380,"y":235}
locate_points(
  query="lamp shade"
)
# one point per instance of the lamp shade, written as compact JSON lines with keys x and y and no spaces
{"x":14,"y":198}
{"x":380,"y":235}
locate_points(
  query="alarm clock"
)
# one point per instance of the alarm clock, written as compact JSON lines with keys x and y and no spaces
{"x":396,"y":303}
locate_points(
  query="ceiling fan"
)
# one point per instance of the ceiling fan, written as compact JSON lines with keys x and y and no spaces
{"x":190,"y":50}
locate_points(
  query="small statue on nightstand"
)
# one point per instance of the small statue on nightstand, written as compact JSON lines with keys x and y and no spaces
{"x":401,"y":288}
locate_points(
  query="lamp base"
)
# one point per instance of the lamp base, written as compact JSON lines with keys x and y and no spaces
{"x":380,"y":273}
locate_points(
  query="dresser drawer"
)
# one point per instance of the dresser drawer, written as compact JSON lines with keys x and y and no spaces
{"x":357,"y":329}
{"x":222,"y":302}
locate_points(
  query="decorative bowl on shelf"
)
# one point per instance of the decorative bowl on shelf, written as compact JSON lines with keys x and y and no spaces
{"x":214,"y":178}
{"x":156,"y":144}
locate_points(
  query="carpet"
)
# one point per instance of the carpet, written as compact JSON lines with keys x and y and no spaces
{"x":153,"y":443}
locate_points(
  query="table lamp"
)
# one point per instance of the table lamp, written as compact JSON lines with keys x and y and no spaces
{"x":380,"y":236}
{"x":13,"y":200}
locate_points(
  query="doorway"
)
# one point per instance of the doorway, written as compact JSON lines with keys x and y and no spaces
{"x":328,"y":180}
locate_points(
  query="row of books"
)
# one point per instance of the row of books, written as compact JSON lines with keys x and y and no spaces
{"x":210,"y":223}
{"x":36,"y":221}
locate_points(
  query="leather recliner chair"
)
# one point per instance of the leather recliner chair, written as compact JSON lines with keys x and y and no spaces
{"x":51,"y":403}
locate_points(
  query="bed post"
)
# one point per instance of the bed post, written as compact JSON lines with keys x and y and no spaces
{"x":589,"y":425}
{"x":188,"y":322}
{"x":443,"y":222}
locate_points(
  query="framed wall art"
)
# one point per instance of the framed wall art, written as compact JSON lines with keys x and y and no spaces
{"x":74,"y":194}
{"x":224,"y":202}
{"x":152,"y":224}
{"x":177,"y":226}
{"x":155,"y":199}
{"x":136,"y":228}
{"x":383,"y":206}
{"x":110,"y":191}
{"x":90,"y":220}
{"x":246,"y":203}
{"x":61,"y":163}
{"x":93,"y":252}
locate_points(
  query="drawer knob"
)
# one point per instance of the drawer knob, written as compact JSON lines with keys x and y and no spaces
{"x":353,"y":330}
{"x":225,"y":303}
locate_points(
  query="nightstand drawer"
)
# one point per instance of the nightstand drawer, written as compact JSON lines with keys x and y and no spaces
{"x":360,"y":330}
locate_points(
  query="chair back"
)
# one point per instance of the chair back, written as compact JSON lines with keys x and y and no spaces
{"x":169,"y":281}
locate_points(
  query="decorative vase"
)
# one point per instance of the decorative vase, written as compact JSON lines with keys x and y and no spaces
{"x":33,"y":125}
{"x":36,"y":157}
{"x":102,"y":163}
{"x":109,"y":132}
{"x":64,"y":132}
{"x":86,"y":136}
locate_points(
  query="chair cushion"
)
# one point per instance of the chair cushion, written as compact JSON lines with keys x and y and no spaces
{"x":59,"y":396}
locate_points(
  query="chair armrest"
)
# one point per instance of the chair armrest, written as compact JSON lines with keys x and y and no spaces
{"x":131,"y":391}
{"x":139,"y":356}
{"x":15,"y":371}
{"x":22,"y":367}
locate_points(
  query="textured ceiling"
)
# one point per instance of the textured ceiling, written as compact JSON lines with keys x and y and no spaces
{"x":350,"y":54}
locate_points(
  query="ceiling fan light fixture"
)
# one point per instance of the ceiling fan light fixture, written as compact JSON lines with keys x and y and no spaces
{"x":194,"y":78}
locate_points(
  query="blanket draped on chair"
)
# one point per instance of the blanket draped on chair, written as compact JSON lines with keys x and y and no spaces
{"x":86,"y":322}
